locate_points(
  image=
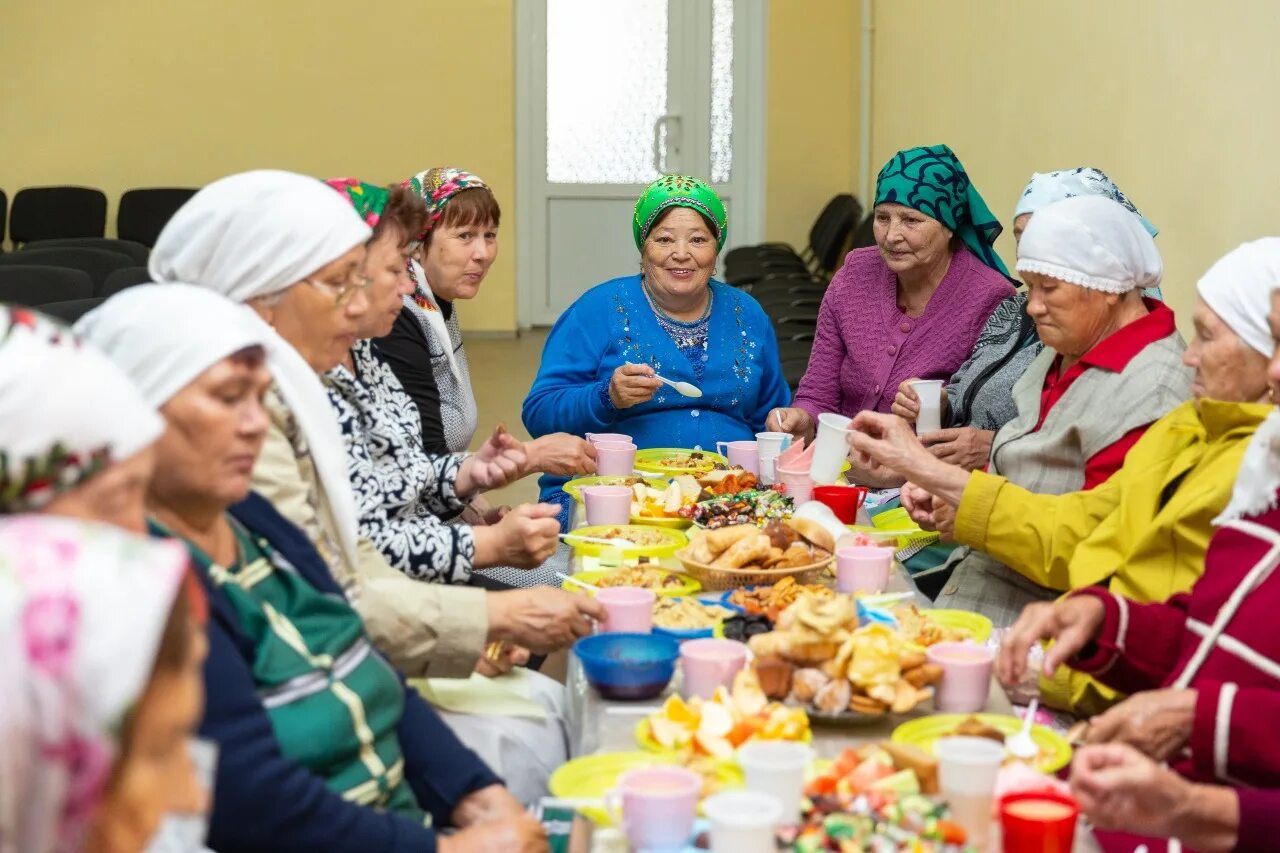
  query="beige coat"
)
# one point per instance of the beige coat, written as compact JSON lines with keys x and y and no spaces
{"x":415,"y":624}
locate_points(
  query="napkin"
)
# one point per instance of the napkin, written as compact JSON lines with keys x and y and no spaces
{"x":504,"y":696}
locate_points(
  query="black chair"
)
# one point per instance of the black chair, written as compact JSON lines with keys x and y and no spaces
{"x":72,"y":309}
{"x":795,"y":330}
{"x":122,"y":280}
{"x":97,"y":263}
{"x":821,"y":257}
{"x":47,"y":213}
{"x":138,"y":252}
{"x":795,"y":360}
{"x":865,"y":234}
{"x":143,"y":213}
{"x":784,"y":305}
{"x":35,"y":286}
{"x":4,"y":216}
{"x":778,"y":288}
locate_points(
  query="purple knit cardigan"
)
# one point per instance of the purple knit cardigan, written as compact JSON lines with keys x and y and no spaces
{"x":865,"y":347}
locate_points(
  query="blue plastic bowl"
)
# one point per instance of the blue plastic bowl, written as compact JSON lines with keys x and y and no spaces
{"x":682,"y":634}
{"x":628,"y":666}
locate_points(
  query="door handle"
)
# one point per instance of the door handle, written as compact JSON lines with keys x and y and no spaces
{"x":659,"y":150}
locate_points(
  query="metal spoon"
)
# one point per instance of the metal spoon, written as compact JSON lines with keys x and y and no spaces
{"x":1020,"y":745}
{"x":684,"y":388}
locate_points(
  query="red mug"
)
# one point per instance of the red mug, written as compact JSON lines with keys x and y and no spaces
{"x":844,"y":501}
{"x":1038,"y":822}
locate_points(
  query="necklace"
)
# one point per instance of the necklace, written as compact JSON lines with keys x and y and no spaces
{"x":685,"y":335}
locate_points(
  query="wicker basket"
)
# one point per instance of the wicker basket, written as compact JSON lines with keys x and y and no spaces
{"x":714,"y":577}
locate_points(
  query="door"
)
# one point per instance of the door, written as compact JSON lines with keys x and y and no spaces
{"x":610,"y":96}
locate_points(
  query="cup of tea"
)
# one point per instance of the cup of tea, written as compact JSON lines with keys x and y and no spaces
{"x":656,"y":806}
{"x":709,"y":663}
{"x":830,"y":448}
{"x":607,"y":504}
{"x":740,"y":453}
{"x":615,"y":458}
{"x":743,"y":821}
{"x":627,"y":609}
{"x":966,"y":676}
{"x":863,"y":568}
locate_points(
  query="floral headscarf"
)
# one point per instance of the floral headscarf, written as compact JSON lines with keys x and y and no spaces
{"x":437,"y":186}
{"x":932,"y":180}
{"x":369,"y":200}
{"x":1045,"y":188}
{"x":66,"y":412}
{"x":82,"y":610}
{"x":678,"y":191}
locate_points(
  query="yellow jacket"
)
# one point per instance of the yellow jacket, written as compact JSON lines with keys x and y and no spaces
{"x":1143,"y":532}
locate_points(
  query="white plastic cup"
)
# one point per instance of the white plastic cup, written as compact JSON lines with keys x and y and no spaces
{"x":830,"y":448}
{"x":777,"y":768}
{"x":768,"y":470}
{"x":930,"y":393}
{"x":772,"y":443}
{"x":967,"y":769}
{"x":743,"y":822}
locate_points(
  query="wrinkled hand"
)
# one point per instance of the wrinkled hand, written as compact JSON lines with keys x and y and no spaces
{"x":499,"y":461}
{"x":1118,"y":788}
{"x":928,"y":511}
{"x":632,"y":384}
{"x":794,"y":421}
{"x":506,"y":658}
{"x":906,"y":404}
{"x":862,"y":473}
{"x":524,"y":537}
{"x":1070,"y":622}
{"x":561,"y":454}
{"x":967,"y":447}
{"x":1157,"y":723}
{"x":886,"y":441}
{"x":494,"y":514}
{"x":520,"y":834}
{"x":541,"y":619}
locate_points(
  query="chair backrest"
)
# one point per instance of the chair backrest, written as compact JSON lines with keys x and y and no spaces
{"x":46,"y":213}
{"x":865,"y":234}
{"x":122,"y":279}
{"x":71,"y":310}
{"x":143,"y":213}
{"x":35,"y":286}
{"x":96,"y":263}
{"x":831,"y":229}
{"x":137,"y":251}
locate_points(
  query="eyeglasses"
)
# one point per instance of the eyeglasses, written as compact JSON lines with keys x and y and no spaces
{"x":343,"y":292}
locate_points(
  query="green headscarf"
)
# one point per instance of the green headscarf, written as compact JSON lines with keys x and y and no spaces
{"x":678,"y":191}
{"x":932,"y":180}
{"x":369,"y":200}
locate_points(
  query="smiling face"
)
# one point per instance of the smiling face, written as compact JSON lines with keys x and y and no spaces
{"x":679,"y":255}
{"x":386,"y":266}
{"x":908,"y":240}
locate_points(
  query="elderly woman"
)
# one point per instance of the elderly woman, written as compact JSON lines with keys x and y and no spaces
{"x":322,"y":745}
{"x":599,"y":364}
{"x":87,"y":610}
{"x":292,"y":248}
{"x":911,"y":306}
{"x":979,"y":396}
{"x":1144,"y":532}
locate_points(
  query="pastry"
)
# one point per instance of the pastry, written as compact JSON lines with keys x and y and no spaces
{"x":775,"y":676}
{"x":834,"y":696}
{"x":748,"y":549}
{"x":806,"y":683}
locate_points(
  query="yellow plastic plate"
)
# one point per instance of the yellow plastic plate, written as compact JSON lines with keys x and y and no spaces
{"x":687,"y":586}
{"x":669,"y":523}
{"x":645,"y":740}
{"x":1055,"y":752}
{"x":592,"y":776}
{"x":978,"y":626}
{"x":672,"y":541}
{"x":648,"y":460}
{"x":573,"y":488}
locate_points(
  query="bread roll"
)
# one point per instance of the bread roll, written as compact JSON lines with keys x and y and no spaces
{"x":745,"y":552}
{"x":721,"y":540}
{"x":812,"y":531}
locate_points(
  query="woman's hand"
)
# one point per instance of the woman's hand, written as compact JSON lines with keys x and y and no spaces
{"x":906,"y":404}
{"x":501,"y":658}
{"x":561,"y":454}
{"x":631,"y":385}
{"x":541,"y":618}
{"x":499,"y":461}
{"x":524,"y":537}
{"x":886,"y":441}
{"x":486,"y":805}
{"x":968,"y":447}
{"x":792,"y":420}
{"x":929,"y":512}
{"x":1157,"y":723}
{"x":871,"y":475}
{"x":1072,"y":623}
{"x":520,"y":834}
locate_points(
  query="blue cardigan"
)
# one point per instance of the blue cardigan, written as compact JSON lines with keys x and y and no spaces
{"x":264,"y":801}
{"x":612,"y":323}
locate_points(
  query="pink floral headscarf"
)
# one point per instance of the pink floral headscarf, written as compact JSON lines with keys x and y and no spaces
{"x":82,"y":609}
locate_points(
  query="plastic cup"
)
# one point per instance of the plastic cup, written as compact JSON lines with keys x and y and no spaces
{"x":768,"y":470}
{"x":843,"y":500}
{"x":797,"y":484}
{"x":607,"y":504}
{"x":772,"y":443}
{"x":743,"y":822}
{"x":777,"y":768}
{"x":930,"y":393}
{"x":627,"y":610}
{"x":830,"y":449}
{"x":1038,"y":822}
{"x":615,"y":458}
{"x":656,"y":806}
{"x":966,"y":676}
{"x":741,"y":454}
{"x":863,"y":568}
{"x":597,"y":437}
{"x":967,"y":768}
{"x":709,"y":663}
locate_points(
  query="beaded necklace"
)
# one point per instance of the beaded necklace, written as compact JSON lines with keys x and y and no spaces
{"x":690,"y":338}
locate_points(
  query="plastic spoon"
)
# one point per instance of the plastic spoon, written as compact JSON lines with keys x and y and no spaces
{"x":1020,"y":745}
{"x":573,"y":580}
{"x":616,"y":542}
{"x":684,"y":388}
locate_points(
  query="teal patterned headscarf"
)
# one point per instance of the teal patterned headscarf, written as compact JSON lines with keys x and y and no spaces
{"x":932,"y":180}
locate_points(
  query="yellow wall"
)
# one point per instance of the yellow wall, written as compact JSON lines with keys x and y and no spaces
{"x":1175,"y":100}
{"x":117,"y":94}
{"x":812,"y":112}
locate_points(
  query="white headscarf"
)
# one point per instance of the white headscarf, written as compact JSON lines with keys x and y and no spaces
{"x":255,"y":234}
{"x":66,"y":412}
{"x":82,"y":610}
{"x":1045,"y":188}
{"x":1093,"y":242}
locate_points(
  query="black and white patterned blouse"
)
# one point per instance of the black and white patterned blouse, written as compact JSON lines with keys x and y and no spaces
{"x":400,"y":489}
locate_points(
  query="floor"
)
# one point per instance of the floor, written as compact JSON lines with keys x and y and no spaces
{"x":502,"y":369}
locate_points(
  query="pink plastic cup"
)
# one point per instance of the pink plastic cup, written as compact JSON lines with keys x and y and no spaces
{"x":966,"y":676}
{"x":710,"y":663}
{"x":607,"y":504}
{"x":597,"y":437}
{"x":656,"y":806}
{"x":615,"y":458}
{"x":797,"y":484}
{"x":627,"y":610}
{"x":863,"y":568}
{"x":740,"y":453}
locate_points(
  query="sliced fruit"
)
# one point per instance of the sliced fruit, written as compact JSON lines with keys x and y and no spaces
{"x":677,"y":710}
{"x":902,"y":782}
{"x":667,"y":733}
{"x":716,"y":747}
{"x":716,"y":720}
